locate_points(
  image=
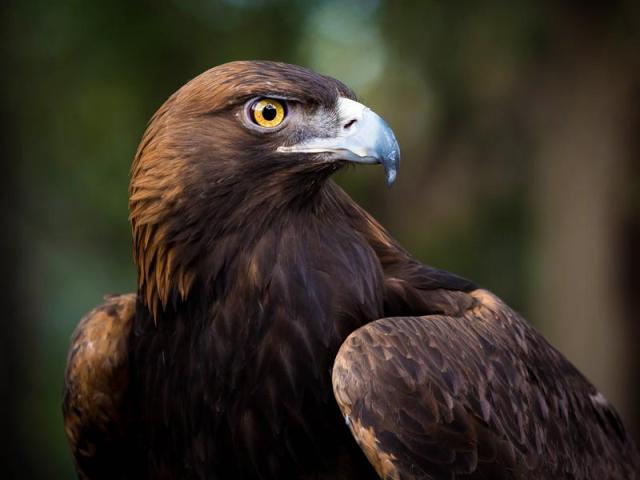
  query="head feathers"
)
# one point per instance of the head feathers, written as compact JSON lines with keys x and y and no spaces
{"x":196,"y":165}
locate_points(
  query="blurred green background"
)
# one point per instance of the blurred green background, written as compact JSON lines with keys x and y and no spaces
{"x":518,"y":121}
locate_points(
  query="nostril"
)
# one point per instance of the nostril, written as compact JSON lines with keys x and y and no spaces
{"x":348,"y":125}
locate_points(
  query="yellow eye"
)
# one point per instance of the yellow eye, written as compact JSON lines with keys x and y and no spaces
{"x":268,"y":112}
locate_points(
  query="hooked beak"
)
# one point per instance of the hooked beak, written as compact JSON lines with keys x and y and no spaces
{"x":363,"y":137}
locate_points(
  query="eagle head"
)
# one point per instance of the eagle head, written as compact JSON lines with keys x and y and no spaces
{"x":232,"y":148}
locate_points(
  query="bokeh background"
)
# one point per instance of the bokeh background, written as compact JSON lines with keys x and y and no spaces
{"x":518,"y":120}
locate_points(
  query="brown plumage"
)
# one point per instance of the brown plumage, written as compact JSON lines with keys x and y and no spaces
{"x":256,"y":273}
{"x":475,"y":394}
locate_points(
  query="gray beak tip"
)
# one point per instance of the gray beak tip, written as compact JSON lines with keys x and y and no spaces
{"x":391,"y":157}
{"x":391,"y":174}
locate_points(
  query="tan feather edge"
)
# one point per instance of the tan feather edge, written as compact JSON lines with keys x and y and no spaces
{"x":383,"y":462}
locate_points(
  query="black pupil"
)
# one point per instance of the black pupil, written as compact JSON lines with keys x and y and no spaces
{"x":269,"y":112}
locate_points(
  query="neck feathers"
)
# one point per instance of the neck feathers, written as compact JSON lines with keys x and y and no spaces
{"x":180,"y":246}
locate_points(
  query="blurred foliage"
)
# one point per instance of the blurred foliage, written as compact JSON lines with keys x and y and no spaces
{"x":452,"y":78}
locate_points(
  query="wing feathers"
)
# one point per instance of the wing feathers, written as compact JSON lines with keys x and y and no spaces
{"x":96,"y":380}
{"x":480,"y":394}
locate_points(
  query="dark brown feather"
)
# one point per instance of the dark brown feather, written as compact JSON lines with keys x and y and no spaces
{"x":95,"y":409}
{"x":475,"y":395}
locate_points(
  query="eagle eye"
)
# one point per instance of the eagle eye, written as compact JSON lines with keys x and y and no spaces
{"x":267,"y":112}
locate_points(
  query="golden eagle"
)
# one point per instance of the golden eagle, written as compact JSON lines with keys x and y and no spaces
{"x":278,"y":330}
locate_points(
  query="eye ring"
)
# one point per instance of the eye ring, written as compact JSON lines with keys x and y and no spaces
{"x":268,"y":112}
